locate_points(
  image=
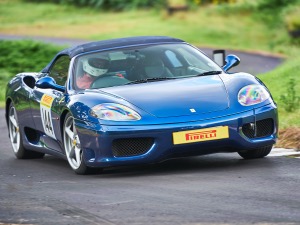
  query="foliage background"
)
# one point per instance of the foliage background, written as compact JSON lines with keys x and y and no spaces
{"x":22,"y":56}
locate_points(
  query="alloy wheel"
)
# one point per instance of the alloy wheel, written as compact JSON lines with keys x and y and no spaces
{"x":72,"y":144}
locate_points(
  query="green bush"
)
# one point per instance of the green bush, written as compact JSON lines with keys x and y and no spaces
{"x":274,"y":4}
{"x":119,"y":5}
{"x":108,"y":4}
{"x":290,"y":100}
{"x":26,"y":55}
{"x":22,"y":56}
{"x":292,"y":18}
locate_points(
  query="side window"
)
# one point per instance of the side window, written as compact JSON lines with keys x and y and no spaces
{"x":59,"y":70}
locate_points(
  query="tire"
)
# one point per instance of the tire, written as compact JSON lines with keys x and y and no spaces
{"x":256,"y":153}
{"x":16,"y":137}
{"x":73,"y":149}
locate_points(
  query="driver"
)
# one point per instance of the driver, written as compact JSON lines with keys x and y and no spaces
{"x":93,"y":68}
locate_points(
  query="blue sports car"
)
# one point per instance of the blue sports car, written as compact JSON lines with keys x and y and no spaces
{"x":138,"y":100}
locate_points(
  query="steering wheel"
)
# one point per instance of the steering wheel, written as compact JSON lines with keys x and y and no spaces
{"x":109,"y":80}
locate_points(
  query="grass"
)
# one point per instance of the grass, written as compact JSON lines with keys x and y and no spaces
{"x":210,"y":26}
{"x":277,"y":81}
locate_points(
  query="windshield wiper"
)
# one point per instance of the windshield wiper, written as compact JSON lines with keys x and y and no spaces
{"x":209,"y":73}
{"x":150,"y":80}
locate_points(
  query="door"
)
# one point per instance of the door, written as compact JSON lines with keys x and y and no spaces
{"x":47,"y":104}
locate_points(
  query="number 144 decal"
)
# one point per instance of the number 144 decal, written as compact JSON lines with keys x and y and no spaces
{"x":45,"y":108}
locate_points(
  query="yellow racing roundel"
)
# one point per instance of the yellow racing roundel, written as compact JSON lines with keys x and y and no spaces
{"x":47,"y":100}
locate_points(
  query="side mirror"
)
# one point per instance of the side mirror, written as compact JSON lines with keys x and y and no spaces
{"x":49,"y":82}
{"x":231,"y":61}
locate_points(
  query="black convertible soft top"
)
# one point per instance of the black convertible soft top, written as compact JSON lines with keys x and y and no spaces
{"x":111,"y":44}
{"x":116,"y":43}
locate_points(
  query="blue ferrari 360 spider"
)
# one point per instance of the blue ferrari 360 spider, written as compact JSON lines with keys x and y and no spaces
{"x":138,"y":100}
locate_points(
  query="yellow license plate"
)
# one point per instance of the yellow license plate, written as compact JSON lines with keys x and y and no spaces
{"x":207,"y":134}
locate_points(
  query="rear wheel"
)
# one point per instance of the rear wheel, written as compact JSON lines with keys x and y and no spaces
{"x":15,"y":136}
{"x":72,"y":147}
{"x":256,"y":153}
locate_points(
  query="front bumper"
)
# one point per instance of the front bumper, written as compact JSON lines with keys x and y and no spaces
{"x":97,"y":141}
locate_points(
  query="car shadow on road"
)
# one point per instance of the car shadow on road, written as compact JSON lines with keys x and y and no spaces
{"x":190,"y":165}
{"x":207,"y":164}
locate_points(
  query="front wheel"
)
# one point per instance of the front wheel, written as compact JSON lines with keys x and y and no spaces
{"x":256,"y":153}
{"x":73,"y":148}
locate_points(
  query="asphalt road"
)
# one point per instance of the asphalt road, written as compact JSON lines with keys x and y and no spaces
{"x":216,"y":189}
{"x":253,"y":63}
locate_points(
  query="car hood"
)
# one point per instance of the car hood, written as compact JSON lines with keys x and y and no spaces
{"x":179,"y":97}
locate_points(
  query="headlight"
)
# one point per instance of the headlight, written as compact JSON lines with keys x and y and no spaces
{"x":115,"y":112}
{"x":252,"y":94}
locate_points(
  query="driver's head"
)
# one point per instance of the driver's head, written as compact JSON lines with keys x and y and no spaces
{"x":96,"y":66}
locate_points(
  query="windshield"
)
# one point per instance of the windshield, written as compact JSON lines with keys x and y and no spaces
{"x":140,"y":64}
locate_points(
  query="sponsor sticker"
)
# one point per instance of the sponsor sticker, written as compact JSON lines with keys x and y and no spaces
{"x":208,"y":134}
{"x":45,"y":109}
{"x":47,"y":100}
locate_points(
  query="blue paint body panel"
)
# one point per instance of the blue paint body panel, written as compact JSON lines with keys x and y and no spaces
{"x":165,"y":106}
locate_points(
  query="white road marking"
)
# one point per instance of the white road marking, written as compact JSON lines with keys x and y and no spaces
{"x":117,"y":203}
{"x":284,"y":152}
